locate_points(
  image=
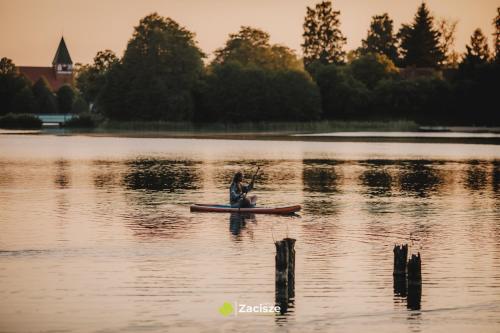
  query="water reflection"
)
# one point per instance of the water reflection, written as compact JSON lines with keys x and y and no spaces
{"x":399,"y":286}
{"x":5,"y":176}
{"x":148,"y":214}
{"x":271,"y":173}
{"x":106,"y":174}
{"x":414,"y":297}
{"x":320,"y":176}
{"x":238,"y":222}
{"x":496,"y":176}
{"x":62,"y":179}
{"x":377,"y":178}
{"x":476,"y":176}
{"x":418,"y":178}
{"x":162,"y":175}
{"x":321,"y":182}
{"x":156,"y":222}
{"x":404,"y":291}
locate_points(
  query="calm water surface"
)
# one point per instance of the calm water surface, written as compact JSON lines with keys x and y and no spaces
{"x":96,"y":235}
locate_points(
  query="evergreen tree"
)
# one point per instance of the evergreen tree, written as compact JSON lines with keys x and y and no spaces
{"x":478,"y":52}
{"x":45,"y":101}
{"x":496,"y":35}
{"x":323,"y":40}
{"x":420,"y":41}
{"x":447,"y":30}
{"x":380,"y":38}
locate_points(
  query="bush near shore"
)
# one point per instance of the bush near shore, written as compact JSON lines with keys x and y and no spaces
{"x":20,"y":121}
{"x":84,"y":120}
{"x":322,"y":126}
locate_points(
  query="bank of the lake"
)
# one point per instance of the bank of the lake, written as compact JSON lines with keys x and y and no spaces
{"x":259,"y":127}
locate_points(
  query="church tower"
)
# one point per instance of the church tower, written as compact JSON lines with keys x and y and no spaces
{"x":60,"y":74}
{"x":62,"y":63}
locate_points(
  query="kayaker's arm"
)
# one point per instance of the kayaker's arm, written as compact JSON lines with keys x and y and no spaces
{"x":247,"y":188}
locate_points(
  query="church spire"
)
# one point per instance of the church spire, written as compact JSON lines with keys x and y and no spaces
{"x":62,"y":56}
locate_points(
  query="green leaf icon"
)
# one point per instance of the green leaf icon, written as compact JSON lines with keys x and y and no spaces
{"x":226,"y":309}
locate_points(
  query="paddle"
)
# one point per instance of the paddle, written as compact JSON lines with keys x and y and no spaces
{"x":255,"y":175}
{"x":253,"y":180}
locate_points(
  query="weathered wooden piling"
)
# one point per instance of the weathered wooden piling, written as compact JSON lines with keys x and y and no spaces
{"x":285,"y":272}
{"x":414,"y":270}
{"x":281,"y":264}
{"x":400,"y":256}
{"x":291,"y":266}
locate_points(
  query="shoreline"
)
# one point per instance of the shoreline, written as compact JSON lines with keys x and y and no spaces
{"x":473,"y":136}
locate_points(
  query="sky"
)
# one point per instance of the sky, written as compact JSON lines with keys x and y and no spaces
{"x":30,"y":30}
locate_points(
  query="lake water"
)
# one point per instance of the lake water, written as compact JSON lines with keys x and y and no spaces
{"x":96,"y":235}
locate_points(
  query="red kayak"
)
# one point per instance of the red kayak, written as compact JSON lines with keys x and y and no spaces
{"x":255,"y":210}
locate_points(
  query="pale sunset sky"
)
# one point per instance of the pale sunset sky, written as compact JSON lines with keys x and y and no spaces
{"x":30,"y":29}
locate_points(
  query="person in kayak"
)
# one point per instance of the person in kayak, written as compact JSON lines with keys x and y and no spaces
{"x":238,"y":193}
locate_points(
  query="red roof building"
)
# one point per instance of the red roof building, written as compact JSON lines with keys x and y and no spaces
{"x":59,"y":74}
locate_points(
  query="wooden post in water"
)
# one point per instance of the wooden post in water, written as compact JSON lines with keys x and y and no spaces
{"x":414,"y":282}
{"x":414,"y":270}
{"x":291,"y":266}
{"x":399,"y":270}
{"x":285,"y":272}
{"x":400,"y":255}
{"x":281,"y":264}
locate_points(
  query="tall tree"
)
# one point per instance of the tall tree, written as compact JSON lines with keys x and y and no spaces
{"x":496,"y":35}
{"x":380,"y":38}
{"x":478,"y":51}
{"x":420,"y":41}
{"x":90,"y":79}
{"x":246,"y":47}
{"x":157,"y":75}
{"x":323,"y":40}
{"x":447,"y":29}
{"x":45,"y":99}
{"x":12,"y":89}
{"x":251,"y":47}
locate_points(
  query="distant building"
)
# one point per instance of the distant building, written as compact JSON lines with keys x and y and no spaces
{"x":59,"y":74}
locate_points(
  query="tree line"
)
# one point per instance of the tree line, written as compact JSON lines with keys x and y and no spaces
{"x":19,"y":95}
{"x":413,"y":73}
